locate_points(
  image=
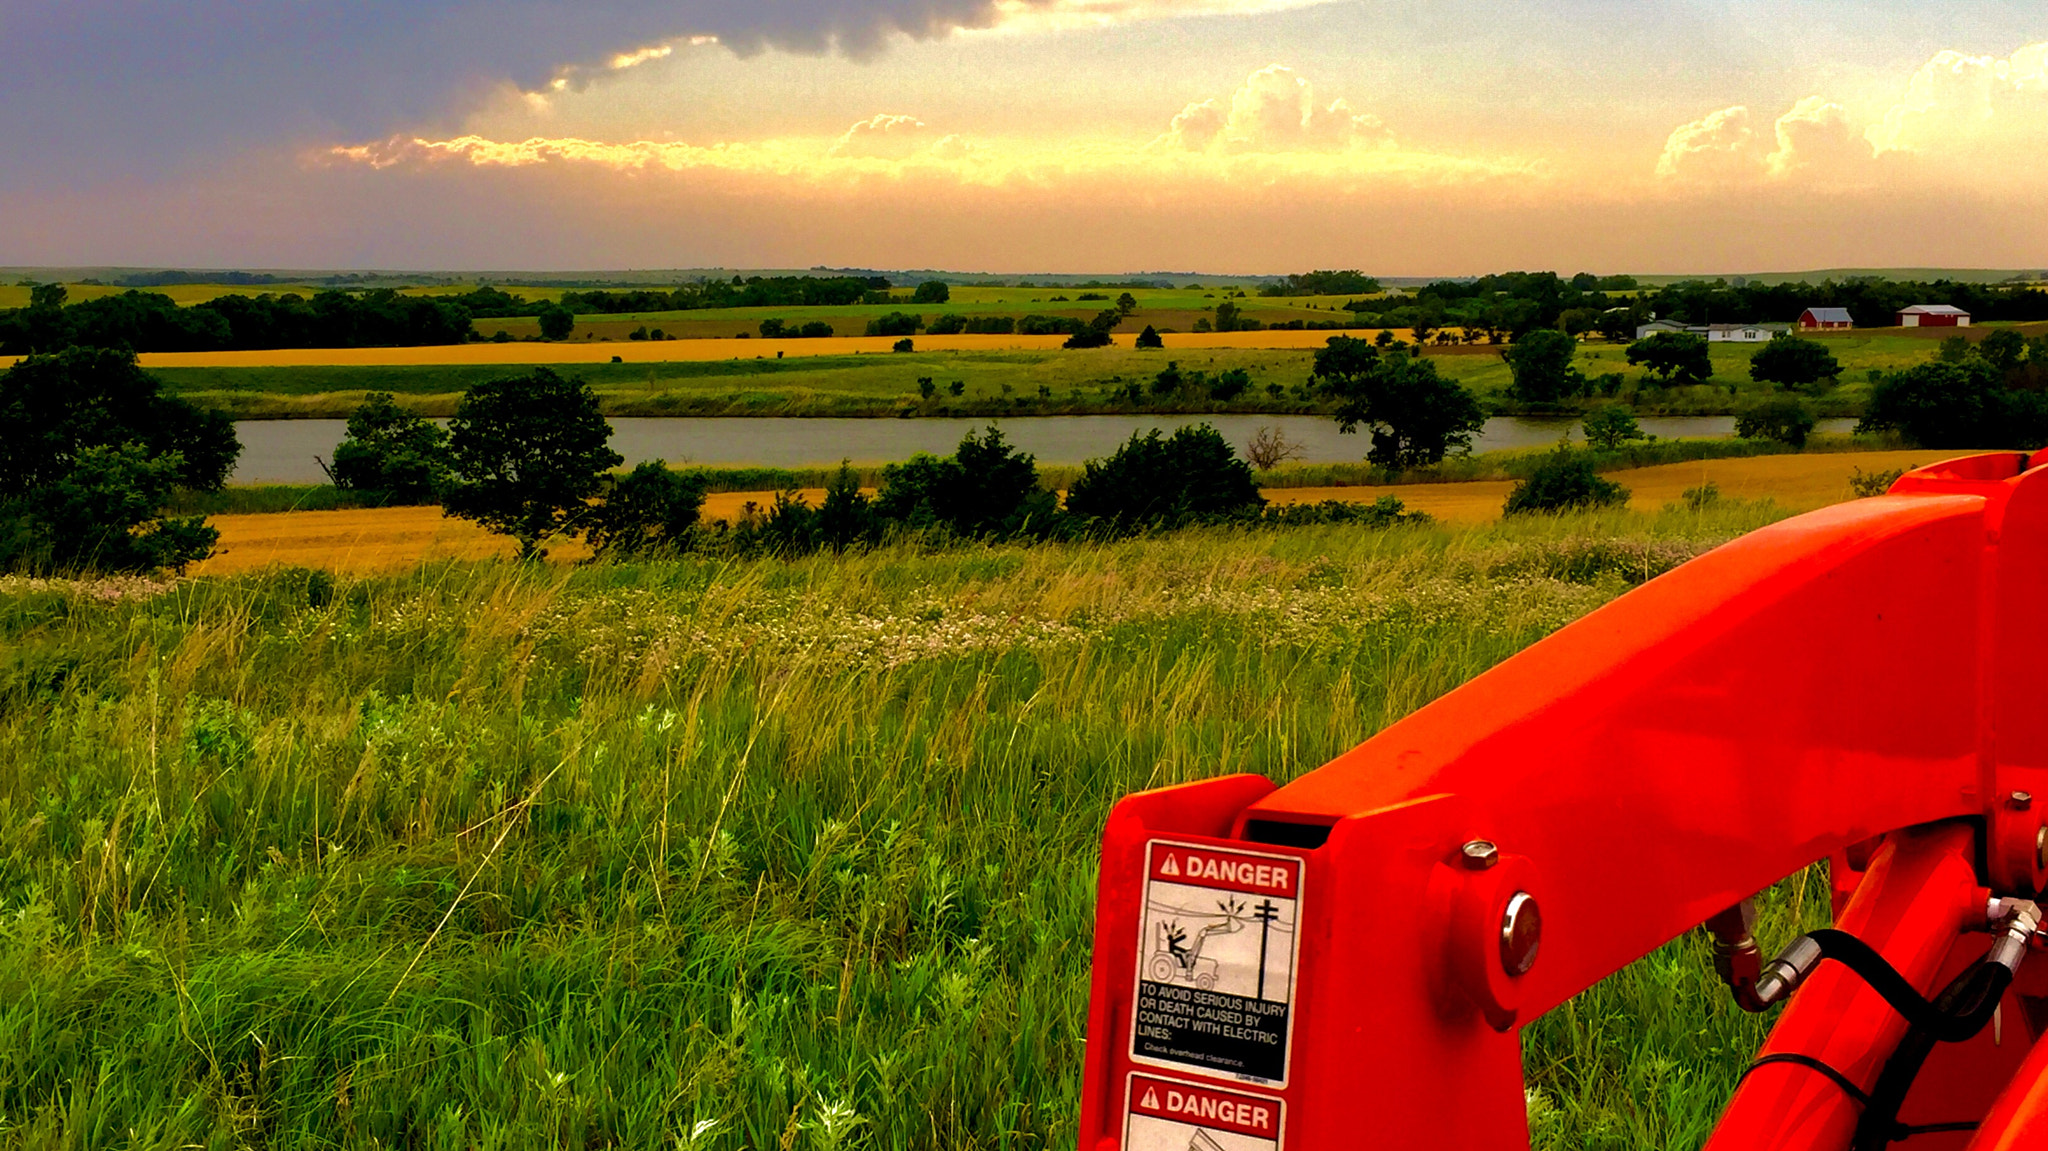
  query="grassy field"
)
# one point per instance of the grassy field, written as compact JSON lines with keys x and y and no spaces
{"x":792,"y":854}
{"x":859,"y":377}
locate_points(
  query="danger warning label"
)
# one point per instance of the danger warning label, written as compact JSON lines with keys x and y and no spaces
{"x":1165,"y":1115}
{"x":1216,"y":960}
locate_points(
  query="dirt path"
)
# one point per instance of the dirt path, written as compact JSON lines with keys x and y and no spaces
{"x":392,"y":539}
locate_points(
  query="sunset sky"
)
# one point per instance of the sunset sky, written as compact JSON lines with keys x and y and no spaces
{"x":1405,"y":137}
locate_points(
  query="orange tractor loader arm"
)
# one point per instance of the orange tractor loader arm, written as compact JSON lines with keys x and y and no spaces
{"x":1858,"y":683}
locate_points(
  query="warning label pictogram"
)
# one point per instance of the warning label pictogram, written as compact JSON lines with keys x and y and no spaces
{"x":1166,"y":1115}
{"x":1216,"y":960}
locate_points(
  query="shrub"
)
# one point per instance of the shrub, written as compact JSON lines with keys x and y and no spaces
{"x":1230,"y":385}
{"x":1702,"y":497}
{"x":895,"y":324}
{"x":393,"y":451}
{"x":1866,"y":484}
{"x":986,"y":487}
{"x":1089,"y":338}
{"x":1155,"y":480}
{"x":1149,"y":338}
{"x":1785,"y":420}
{"x":903,"y":345}
{"x":932,"y":292}
{"x":528,"y":453}
{"x":1956,"y":405}
{"x":649,"y":509}
{"x":1565,"y":481}
{"x":1610,"y":426}
{"x":815,"y":330}
{"x":948,"y":324}
{"x":991,"y":325}
{"x":1049,"y":326}
{"x":103,"y":513}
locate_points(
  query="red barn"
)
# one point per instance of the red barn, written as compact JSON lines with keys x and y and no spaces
{"x":1933,"y":316}
{"x":1825,"y":319}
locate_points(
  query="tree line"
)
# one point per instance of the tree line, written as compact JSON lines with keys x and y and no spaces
{"x":153,"y":322}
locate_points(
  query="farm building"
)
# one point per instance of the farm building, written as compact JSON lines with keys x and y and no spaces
{"x":1824,"y":319}
{"x":1933,"y":316}
{"x":1645,"y":331}
{"x":1737,"y":333}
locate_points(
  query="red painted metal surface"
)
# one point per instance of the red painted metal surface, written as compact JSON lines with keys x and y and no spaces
{"x":1796,"y":694}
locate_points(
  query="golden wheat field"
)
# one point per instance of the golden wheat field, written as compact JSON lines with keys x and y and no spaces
{"x":365,"y":541}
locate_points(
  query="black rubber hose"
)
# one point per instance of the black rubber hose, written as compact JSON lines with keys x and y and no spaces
{"x":1974,"y":994}
{"x":1952,"y":1026}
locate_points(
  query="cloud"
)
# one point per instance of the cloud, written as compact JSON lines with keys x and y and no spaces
{"x":1275,"y":110}
{"x":1717,"y":146}
{"x":102,"y":89}
{"x":884,"y":137}
{"x":1817,"y":137}
{"x":1957,"y":100}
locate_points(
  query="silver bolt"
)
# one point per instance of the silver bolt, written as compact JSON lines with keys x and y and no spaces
{"x":2021,"y":800}
{"x":2041,"y":848}
{"x":1479,"y":855}
{"x":1521,"y":934}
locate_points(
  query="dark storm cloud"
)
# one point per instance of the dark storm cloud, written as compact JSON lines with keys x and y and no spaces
{"x":94,"y":89}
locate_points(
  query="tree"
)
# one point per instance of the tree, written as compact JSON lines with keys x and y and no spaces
{"x":528,"y":453}
{"x":932,"y":292}
{"x":1416,"y":416}
{"x":1565,"y":480}
{"x":1784,"y":419}
{"x":1226,"y":317}
{"x":649,"y":509}
{"x":1154,"y":481}
{"x":1680,"y":356}
{"x":1792,"y":362}
{"x":2004,"y":349}
{"x":1541,"y":363}
{"x":1126,"y":303}
{"x":90,"y":452}
{"x":1149,"y":338}
{"x":986,"y":487}
{"x":896,"y":324}
{"x":1611,"y":425}
{"x":393,"y":451}
{"x":1956,"y":405}
{"x":556,"y":322}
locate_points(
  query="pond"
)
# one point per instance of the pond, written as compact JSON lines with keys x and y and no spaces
{"x":284,"y":451}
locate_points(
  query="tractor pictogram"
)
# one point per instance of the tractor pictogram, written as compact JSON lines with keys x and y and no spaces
{"x":1177,"y":960}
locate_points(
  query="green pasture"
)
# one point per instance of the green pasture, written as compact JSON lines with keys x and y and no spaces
{"x":1077,"y":382}
{"x":714,"y":854}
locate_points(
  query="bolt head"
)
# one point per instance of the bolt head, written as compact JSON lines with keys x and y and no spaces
{"x":2041,"y":847}
{"x":1521,"y":933}
{"x":1479,"y":855}
{"x":2021,"y":800}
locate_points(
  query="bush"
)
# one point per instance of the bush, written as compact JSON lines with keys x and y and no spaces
{"x":815,"y":330}
{"x":1610,"y":426}
{"x":1049,"y":326}
{"x":932,"y":292}
{"x":895,"y":324}
{"x":393,"y":451}
{"x":985,"y":488}
{"x":948,"y":324}
{"x":1090,"y":338}
{"x":1154,"y":480}
{"x":1867,"y":484}
{"x":528,"y":453}
{"x":1230,"y":385}
{"x":650,"y":509}
{"x":1149,"y":338}
{"x":991,"y":325}
{"x":1785,"y":420}
{"x":1565,"y":481}
{"x":103,"y":513}
{"x":903,"y":345}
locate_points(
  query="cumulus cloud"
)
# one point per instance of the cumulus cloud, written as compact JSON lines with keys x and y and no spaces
{"x":1275,"y":110}
{"x":1816,"y":136}
{"x":1717,"y":146}
{"x":1957,"y":99}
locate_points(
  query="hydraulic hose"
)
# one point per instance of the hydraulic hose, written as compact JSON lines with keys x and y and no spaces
{"x":1791,"y":968}
{"x":1975,"y":992}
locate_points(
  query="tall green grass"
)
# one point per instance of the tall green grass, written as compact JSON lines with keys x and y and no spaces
{"x":775,"y":854}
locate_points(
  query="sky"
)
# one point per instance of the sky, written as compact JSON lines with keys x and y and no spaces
{"x":1402,"y":137}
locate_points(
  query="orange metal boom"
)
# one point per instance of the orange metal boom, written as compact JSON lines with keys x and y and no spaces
{"x":1386,"y":923}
